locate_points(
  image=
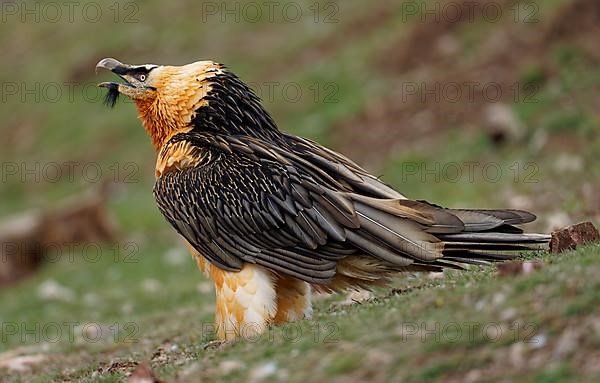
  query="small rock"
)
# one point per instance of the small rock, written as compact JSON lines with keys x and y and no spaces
{"x":434,"y":275}
{"x":498,"y":298}
{"x":538,"y":341}
{"x":356,"y":297}
{"x":143,"y":374}
{"x":502,"y":124}
{"x":228,"y":366}
{"x":572,"y":236}
{"x":539,"y":140}
{"x":594,"y":324}
{"x":151,"y":286}
{"x":20,"y":362}
{"x":360,"y":296}
{"x":567,"y":343}
{"x":160,"y":356}
{"x":508,"y":314}
{"x":473,"y":376}
{"x":51,"y":290}
{"x":260,"y":373}
{"x":191,"y":372}
{"x":518,"y":267}
{"x":568,"y":163}
{"x":283,"y":375}
{"x":480,"y":305}
{"x":175,"y":257}
{"x":529,"y":267}
{"x":516,"y":354}
{"x":380,"y":358}
{"x":448,"y":45}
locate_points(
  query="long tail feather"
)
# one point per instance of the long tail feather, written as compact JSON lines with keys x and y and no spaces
{"x":428,"y":234}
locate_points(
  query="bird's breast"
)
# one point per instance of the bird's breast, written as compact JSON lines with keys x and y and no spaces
{"x":179,"y":156}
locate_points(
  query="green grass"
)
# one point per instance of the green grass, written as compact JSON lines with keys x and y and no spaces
{"x":440,"y":328}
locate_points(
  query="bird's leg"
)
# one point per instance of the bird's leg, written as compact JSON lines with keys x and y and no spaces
{"x":293,"y":300}
{"x":246,"y":301}
{"x":249,"y":300}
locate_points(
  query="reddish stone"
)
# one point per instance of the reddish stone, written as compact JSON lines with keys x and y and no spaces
{"x":517,"y":267}
{"x":143,"y":374}
{"x":570,"y":237}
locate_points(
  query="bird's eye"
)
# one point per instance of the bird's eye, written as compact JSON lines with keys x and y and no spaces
{"x":142,"y":77}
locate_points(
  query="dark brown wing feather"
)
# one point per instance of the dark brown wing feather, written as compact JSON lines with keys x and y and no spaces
{"x":248,"y":205}
{"x":299,"y":209}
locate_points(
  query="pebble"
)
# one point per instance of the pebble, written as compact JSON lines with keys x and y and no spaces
{"x":229,"y":366}
{"x":51,"y":290}
{"x":175,"y":256}
{"x":204,"y":287}
{"x":151,"y":286}
{"x":266,"y":370}
{"x":538,"y":341}
{"x":567,"y":343}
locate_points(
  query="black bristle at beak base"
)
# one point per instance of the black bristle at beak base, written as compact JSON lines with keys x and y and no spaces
{"x":111,"y":97}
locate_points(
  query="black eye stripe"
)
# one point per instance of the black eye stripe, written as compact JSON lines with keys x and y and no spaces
{"x":139,"y":71}
{"x":134,"y":71}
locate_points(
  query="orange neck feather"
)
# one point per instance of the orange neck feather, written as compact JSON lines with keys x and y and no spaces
{"x":158,"y":122}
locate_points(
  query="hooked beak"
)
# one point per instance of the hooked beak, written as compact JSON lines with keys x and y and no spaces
{"x":117,"y":68}
{"x":110,"y":64}
{"x":133,"y":86}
